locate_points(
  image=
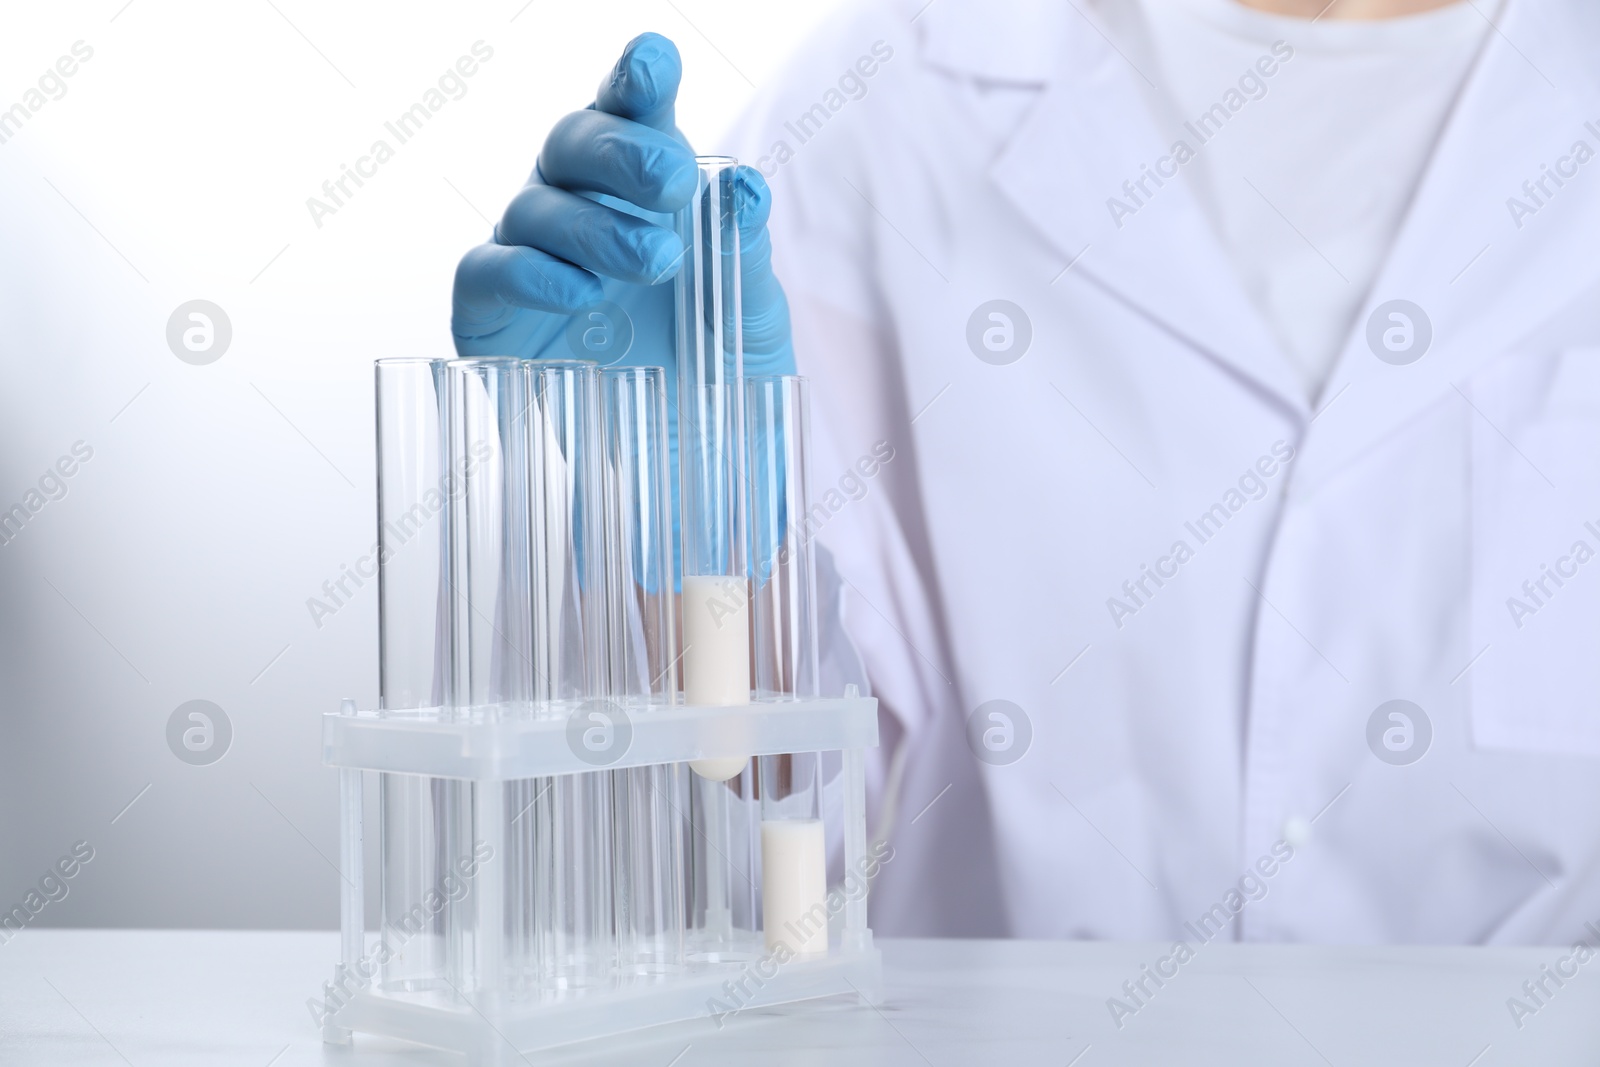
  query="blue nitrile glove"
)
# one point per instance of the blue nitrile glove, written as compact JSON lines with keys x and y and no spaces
{"x":593,"y":226}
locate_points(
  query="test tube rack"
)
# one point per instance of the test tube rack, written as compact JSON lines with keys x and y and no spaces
{"x":538,"y":887}
{"x":502,"y":743}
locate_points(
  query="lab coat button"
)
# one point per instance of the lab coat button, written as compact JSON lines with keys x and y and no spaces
{"x":1296,"y":831}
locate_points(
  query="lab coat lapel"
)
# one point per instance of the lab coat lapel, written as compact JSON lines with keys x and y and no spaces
{"x":1090,"y":133}
{"x":1482,"y":282}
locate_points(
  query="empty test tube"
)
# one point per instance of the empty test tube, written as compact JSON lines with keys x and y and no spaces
{"x":488,"y":596}
{"x":419,"y":818}
{"x":649,"y":801}
{"x":573,"y":812}
{"x":413,"y":489}
{"x":638,"y":490}
{"x":488,"y":600}
{"x":783,"y":574}
{"x":784,"y":616}
{"x":715,"y":601}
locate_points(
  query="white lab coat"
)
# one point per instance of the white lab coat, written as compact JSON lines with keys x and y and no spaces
{"x":1174,"y":747}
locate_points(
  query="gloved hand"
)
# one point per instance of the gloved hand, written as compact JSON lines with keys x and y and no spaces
{"x":593,"y":226}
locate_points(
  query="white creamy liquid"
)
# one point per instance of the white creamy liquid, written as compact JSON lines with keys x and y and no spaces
{"x":794,"y":885}
{"x":716,"y":654}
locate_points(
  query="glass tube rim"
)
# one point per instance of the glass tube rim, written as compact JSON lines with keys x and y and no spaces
{"x":649,"y":370}
{"x":560,"y":363}
{"x":546,"y":374}
{"x":484,"y":361}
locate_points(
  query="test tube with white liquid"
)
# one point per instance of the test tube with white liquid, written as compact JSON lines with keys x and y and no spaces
{"x":715,"y":599}
{"x":794,"y":874}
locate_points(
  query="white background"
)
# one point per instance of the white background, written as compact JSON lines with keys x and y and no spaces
{"x":219,"y":498}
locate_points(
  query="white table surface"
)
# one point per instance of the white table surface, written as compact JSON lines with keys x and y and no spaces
{"x":116,"y":997}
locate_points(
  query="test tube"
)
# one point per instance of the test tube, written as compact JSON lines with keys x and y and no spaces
{"x":639,"y":535}
{"x":491,"y":662}
{"x":412,"y":492}
{"x":573,"y":812}
{"x":794,"y":856}
{"x":488,"y":600}
{"x":715,"y":600}
{"x":419,"y":817}
{"x":783,"y":575}
{"x":715,"y":581}
{"x":794,"y":872}
{"x":650,"y":801}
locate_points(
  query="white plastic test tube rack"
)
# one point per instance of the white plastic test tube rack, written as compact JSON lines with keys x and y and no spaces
{"x":601,"y":758}
{"x":516,"y":742}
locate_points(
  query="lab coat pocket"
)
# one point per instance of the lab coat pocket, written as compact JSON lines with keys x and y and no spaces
{"x":1535,"y":550}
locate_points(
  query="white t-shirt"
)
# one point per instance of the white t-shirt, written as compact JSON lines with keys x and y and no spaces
{"x":1308,"y":182}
